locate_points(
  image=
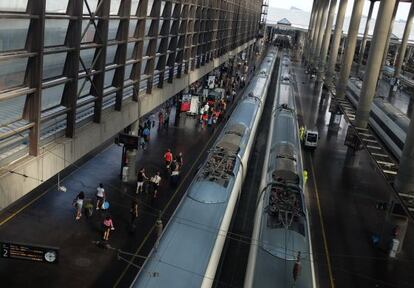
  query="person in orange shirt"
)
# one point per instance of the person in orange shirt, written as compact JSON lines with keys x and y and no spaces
{"x":168,"y":157}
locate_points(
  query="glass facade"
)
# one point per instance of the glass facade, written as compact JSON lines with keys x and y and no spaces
{"x":64,"y":61}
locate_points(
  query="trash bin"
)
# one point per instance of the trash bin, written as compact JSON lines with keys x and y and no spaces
{"x":125,"y":174}
{"x":395,"y":243}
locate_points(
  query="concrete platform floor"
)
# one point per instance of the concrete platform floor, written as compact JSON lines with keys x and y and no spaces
{"x":342,"y":200}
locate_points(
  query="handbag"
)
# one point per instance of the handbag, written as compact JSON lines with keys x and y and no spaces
{"x":105,"y":205}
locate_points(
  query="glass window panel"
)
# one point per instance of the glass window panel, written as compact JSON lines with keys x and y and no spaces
{"x":158,"y":44}
{"x":162,"y":7}
{"x":143,"y":65}
{"x":52,"y":97}
{"x":132,"y":26}
{"x":92,"y":6}
{"x":15,"y":5}
{"x":134,"y":7}
{"x":90,"y":33}
{"x":150,"y":4}
{"x":11,"y":109}
{"x":84,"y":87}
{"x":55,"y":32}
{"x":53,"y":65}
{"x":110,"y":54}
{"x":128,"y":70}
{"x":12,"y":73}
{"x":130,"y":50}
{"x":87,"y":58}
{"x":147,"y":27}
{"x":53,"y":6}
{"x":146,"y":42}
{"x":13,"y":34}
{"x":115,"y":7}
{"x":113,"y":29}
{"x":109,"y":76}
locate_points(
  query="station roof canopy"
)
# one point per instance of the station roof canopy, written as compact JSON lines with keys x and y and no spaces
{"x":284,"y":21}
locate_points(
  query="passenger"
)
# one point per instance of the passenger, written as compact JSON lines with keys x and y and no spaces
{"x":140,"y":180}
{"x":204,"y":120}
{"x":179,"y":159}
{"x":108,"y":226}
{"x":100,"y":196}
{"x":155,"y":180}
{"x":168,"y":157}
{"x":146,"y":135}
{"x":175,"y":176}
{"x":160,"y":119}
{"x":78,"y":203}
{"x":134,"y":211}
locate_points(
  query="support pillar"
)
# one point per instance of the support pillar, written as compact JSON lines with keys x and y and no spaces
{"x":350,"y":48}
{"x":373,"y":67}
{"x":327,"y":38}
{"x":311,"y":29}
{"x":364,"y":39}
{"x":322,"y":30}
{"x":404,"y":182}
{"x":384,"y":56}
{"x":403,"y":47}
{"x":317,"y":29}
{"x":336,"y":40}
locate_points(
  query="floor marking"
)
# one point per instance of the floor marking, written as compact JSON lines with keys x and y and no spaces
{"x":325,"y":242}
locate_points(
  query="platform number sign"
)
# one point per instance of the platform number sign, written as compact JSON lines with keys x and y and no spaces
{"x":30,"y":253}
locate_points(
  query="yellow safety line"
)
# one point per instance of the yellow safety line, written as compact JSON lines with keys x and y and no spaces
{"x":163,"y":211}
{"x":22,"y":208}
{"x":325,"y":242}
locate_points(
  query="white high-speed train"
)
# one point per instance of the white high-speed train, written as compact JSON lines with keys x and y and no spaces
{"x":386,"y":120}
{"x":191,"y":245}
{"x":280,"y":252}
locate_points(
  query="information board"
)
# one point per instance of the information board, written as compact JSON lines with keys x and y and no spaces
{"x":28,"y":252}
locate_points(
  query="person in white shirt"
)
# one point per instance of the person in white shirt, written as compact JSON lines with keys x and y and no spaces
{"x":100,"y":196}
{"x":155,"y":180}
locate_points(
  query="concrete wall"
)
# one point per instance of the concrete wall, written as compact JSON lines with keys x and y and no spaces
{"x":60,"y":153}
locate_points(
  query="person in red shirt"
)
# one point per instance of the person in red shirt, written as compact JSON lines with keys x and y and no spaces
{"x":168,"y":157}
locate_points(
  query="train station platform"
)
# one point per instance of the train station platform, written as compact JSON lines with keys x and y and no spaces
{"x":48,"y":218}
{"x":342,"y":201}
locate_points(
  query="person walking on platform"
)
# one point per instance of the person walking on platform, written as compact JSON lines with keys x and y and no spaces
{"x":146,"y":135}
{"x":179,"y":159}
{"x":160,"y":119}
{"x":78,"y":203}
{"x":100,"y":196}
{"x":155,"y":180}
{"x":141,"y":177}
{"x":134,"y":212}
{"x":168,"y":157}
{"x":108,"y":226}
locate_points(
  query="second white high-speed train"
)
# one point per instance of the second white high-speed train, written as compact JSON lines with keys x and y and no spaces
{"x":387,"y":121}
{"x":281,"y":250}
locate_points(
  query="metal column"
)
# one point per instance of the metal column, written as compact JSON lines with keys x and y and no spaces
{"x":350,"y":48}
{"x":311,"y":28}
{"x":322,"y":29}
{"x":336,"y":41}
{"x":384,"y":56}
{"x":372,"y":71}
{"x":364,"y":39}
{"x":317,"y":29}
{"x":403,"y":47}
{"x":327,"y":37}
